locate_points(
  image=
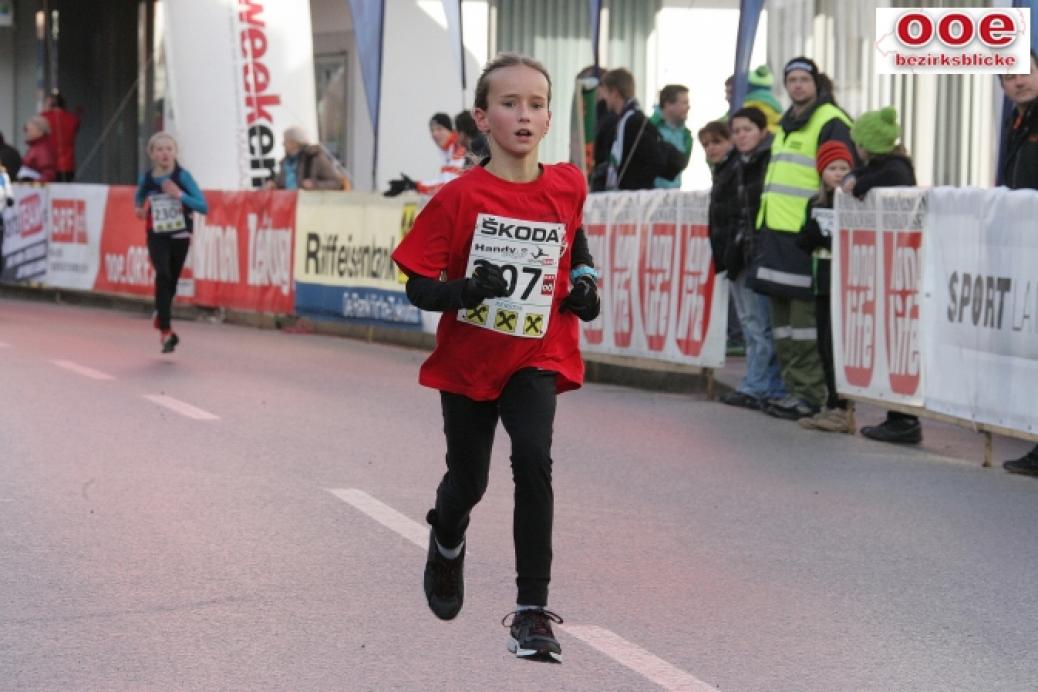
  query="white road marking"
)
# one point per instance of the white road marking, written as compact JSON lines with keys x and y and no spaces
{"x":4,"y":344}
{"x":385,"y":515}
{"x":637,"y":659}
{"x":83,"y":370}
{"x":180,"y":407}
{"x":614,"y":646}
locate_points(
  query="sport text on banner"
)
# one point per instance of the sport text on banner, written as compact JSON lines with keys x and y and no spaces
{"x":981,"y":306}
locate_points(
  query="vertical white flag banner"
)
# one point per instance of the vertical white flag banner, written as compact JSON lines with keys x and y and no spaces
{"x":240,"y":72}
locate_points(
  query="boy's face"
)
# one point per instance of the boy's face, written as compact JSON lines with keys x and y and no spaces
{"x":163,"y":153}
{"x":517,"y":116}
{"x":613,"y":100}
{"x":440,"y":134}
{"x":715,"y":148}
{"x":677,"y":110}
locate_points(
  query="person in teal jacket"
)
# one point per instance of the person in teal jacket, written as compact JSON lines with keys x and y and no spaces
{"x":669,"y":118}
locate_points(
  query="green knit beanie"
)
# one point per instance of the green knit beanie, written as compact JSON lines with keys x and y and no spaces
{"x":877,"y":132}
{"x":761,"y":77}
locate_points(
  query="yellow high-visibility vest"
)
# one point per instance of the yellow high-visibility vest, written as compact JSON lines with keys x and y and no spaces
{"x":792,"y":179}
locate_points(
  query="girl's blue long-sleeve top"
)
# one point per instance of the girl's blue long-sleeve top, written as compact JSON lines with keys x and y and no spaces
{"x":192,"y":197}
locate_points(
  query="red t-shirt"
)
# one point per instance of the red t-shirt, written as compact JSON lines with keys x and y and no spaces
{"x":476,"y":361}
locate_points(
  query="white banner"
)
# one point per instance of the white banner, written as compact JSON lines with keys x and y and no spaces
{"x":77,"y":214}
{"x":876,"y":276}
{"x":981,"y":306}
{"x":240,"y":72}
{"x":660,"y":296}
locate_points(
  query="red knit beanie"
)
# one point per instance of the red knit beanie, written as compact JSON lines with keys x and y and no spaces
{"x":833,"y":150}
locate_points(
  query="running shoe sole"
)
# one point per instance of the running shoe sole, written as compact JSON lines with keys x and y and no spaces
{"x":541,"y":654}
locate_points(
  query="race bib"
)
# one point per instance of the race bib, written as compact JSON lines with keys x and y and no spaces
{"x":167,"y":214}
{"x":528,"y":253}
{"x":826,"y":220}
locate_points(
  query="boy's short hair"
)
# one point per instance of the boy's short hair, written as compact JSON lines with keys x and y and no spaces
{"x":671,"y":92}
{"x":1034,"y":60}
{"x":621,"y":81}
{"x":714,"y":129}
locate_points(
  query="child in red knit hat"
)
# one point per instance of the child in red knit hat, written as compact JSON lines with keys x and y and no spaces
{"x":834,"y":161}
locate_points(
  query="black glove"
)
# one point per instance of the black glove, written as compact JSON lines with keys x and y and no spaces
{"x":486,"y":281}
{"x":399,"y":185}
{"x":583,"y":299}
{"x":810,"y":237}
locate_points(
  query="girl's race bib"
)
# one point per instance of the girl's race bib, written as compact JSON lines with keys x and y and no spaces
{"x":528,"y":253}
{"x":167,"y":214}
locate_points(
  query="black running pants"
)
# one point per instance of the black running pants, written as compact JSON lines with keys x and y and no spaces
{"x":167,"y":256}
{"x":526,"y":408}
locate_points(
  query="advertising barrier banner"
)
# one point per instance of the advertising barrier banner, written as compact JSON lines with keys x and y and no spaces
{"x":25,"y":236}
{"x":124,"y":264}
{"x":77,"y":215}
{"x":241,"y":252}
{"x":876,"y":278}
{"x":981,"y":306}
{"x":343,"y":268}
{"x":660,"y":296}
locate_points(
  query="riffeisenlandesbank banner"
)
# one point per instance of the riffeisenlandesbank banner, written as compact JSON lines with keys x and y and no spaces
{"x":239,"y":72}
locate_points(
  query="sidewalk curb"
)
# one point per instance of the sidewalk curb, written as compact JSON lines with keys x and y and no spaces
{"x":624,"y":371}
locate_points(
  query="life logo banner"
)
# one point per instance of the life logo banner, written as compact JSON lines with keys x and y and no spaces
{"x":77,"y":214}
{"x":661,"y":298}
{"x":980,"y":306}
{"x":700,"y":304}
{"x":961,"y":40}
{"x":25,"y":235}
{"x":876,"y":277}
{"x":595,"y":215}
{"x":241,"y":251}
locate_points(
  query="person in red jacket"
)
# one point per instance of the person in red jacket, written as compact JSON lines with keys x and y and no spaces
{"x":63,"y":128}
{"x":500,"y":252}
{"x":38,"y":164}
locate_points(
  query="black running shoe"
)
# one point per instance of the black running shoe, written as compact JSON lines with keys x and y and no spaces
{"x":444,"y":581}
{"x":170,"y":342}
{"x":530,"y":635}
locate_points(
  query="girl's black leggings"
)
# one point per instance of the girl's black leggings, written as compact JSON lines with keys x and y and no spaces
{"x":167,"y":256}
{"x":526,"y":408}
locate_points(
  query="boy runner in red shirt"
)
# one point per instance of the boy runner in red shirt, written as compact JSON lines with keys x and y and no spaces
{"x":501,"y":253}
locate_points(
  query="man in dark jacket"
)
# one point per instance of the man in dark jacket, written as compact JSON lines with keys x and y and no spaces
{"x":1020,"y":170}
{"x":634,"y":157}
{"x":781,"y":270}
{"x":1020,"y":132}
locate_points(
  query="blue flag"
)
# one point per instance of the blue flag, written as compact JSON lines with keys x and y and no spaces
{"x":749,"y":18}
{"x":368,"y":18}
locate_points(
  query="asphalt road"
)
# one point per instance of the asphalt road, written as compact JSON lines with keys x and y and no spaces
{"x":244,"y":515}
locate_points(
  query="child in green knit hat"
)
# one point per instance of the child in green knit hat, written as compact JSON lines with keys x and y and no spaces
{"x":886,"y":164}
